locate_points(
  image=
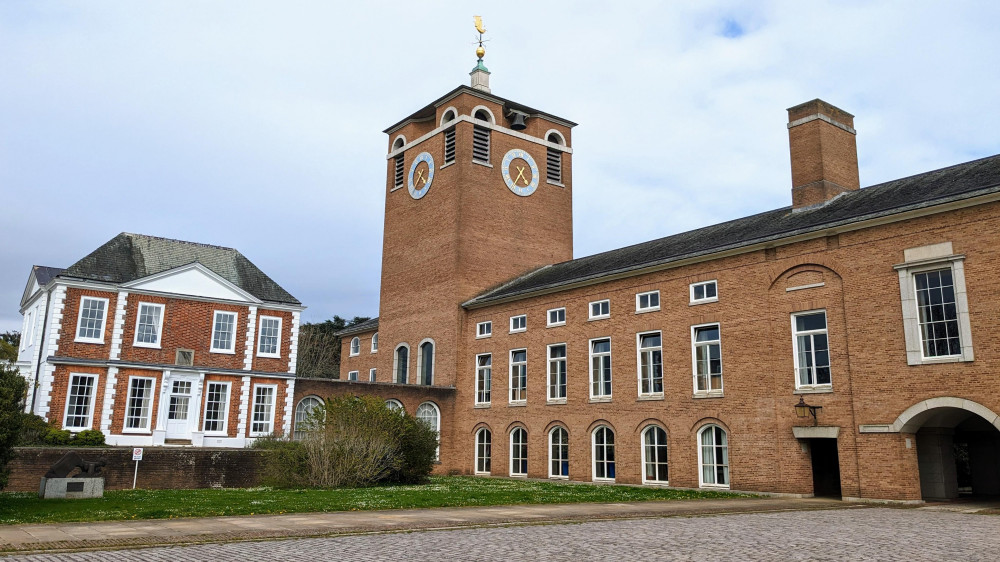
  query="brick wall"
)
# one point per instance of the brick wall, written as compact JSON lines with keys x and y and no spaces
{"x":161,"y":467}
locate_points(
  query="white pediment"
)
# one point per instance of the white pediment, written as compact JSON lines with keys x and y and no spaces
{"x":192,"y":280}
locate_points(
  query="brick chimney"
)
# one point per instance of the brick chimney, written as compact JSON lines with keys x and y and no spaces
{"x":824,"y":153}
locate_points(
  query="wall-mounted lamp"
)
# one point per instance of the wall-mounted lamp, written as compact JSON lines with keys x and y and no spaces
{"x":802,"y":410}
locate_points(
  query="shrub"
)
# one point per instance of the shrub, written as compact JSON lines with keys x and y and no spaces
{"x":33,"y":430}
{"x":57,"y":437}
{"x":89,"y":438}
{"x":12,"y":392}
{"x":418,"y":449}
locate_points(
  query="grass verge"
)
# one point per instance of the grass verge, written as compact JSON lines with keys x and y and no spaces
{"x":442,"y":491}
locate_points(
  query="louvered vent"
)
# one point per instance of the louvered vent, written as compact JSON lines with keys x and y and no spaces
{"x":480,"y":143}
{"x":185,"y":357}
{"x":449,"y":146}
{"x":399,"y":171}
{"x":553,"y":165}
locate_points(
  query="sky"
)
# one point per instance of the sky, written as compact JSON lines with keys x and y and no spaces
{"x":258,"y":125}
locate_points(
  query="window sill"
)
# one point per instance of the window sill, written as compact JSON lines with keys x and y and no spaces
{"x":75,"y":429}
{"x":97,"y":342}
{"x":487,"y":336}
{"x":645,"y":310}
{"x":397,"y":188}
{"x":354,"y":354}
{"x":814,"y":390}
{"x":146,"y":345}
{"x":937,"y":360}
{"x":481,"y":163}
{"x":555,"y":183}
{"x":222,"y":351}
{"x":482,"y":474}
{"x":518,"y":331}
{"x":216,"y":434}
{"x":136,"y":432}
{"x":519,"y":404}
{"x":558,"y":477}
{"x":258,"y":435}
{"x":656,"y":483}
{"x":445,"y":165}
{"x":599,"y":399}
{"x":269,"y":356}
{"x":648,"y":397}
{"x":699,"y":395}
{"x":603,"y":480}
{"x":703,"y":301}
{"x":592,"y":318}
{"x":555,"y":401}
{"x":556,"y":325}
{"x":482,"y":406}
{"x":714,"y":486}
{"x":522,"y":476}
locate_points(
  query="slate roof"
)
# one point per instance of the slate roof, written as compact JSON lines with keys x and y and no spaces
{"x":44,"y":274}
{"x":128,"y":257}
{"x":954,"y":183}
{"x":366,"y":326}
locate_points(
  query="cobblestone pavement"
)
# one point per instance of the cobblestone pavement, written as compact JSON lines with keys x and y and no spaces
{"x":848,"y":534}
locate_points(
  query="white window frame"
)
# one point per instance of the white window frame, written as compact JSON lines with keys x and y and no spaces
{"x":593,"y":454}
{"x":510,"y":377}
{"x":701,"y":460}
{"x":911,"y":314}
{"x":104,"y":320}
{"x":374,"y":343}
{"x":644,"y":459}
{"x":232,"y":340}
{"x":703,"y":300}
{"x":549,"y":360}
{"x":548,"y":317}
{"x":437,"y":424}
{"x":523,"y":318}
{"x":694,"y":363}
{"x":260,"y":336}
{"x":421,"y":374}
{"x":298,"y":410}
{"x":355,"y":348}
{"x":551,"y":458}
{"x":475,"y":452}
{"x":639,"y":350}
{"x":90,"y":404}
{"x":484,"y":329}
{"x":159,"y":328}
{"x":600,"y":315}
{"x":146,"y":426}
{"x":795,"y":348}
{"x":648,"y":308}
{"x":512,"y":473}
{"x":489,"y":379}
{"x":225,"y":409}
{"x":353,"y":375}
{"x":394,"y":405}
{"x":253,"y":407}
{"x":371,"y":374}
{"x":590,"y":367}
{"x":395,"y":365}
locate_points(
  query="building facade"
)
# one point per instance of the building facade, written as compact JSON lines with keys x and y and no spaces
{"x":154,"y":341}
{"x":838,"y":346}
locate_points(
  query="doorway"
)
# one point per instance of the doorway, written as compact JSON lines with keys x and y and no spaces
{"x":180,"y":408}
{"x":826,"y":468}
{"x":958,"y":455}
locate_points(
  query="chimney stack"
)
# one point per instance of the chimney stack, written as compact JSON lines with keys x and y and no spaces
{"x":824,"y":153}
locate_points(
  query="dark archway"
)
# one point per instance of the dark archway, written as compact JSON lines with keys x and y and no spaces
{"x":958,"y":453}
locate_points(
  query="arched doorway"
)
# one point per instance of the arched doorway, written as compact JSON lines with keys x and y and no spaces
{"x":958,"y":448}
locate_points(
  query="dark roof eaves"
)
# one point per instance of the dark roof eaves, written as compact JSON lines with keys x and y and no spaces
{"x":370,"y":325}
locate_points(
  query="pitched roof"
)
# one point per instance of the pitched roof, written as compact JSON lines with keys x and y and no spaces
{"x":954,"y":183}
{"x":44,"y":274}
{"x":128,"y":257}
{"x":361,"y":327}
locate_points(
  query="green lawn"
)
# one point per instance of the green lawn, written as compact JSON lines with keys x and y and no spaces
{"x":442,"y":491}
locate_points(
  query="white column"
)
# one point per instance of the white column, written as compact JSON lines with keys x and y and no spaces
{"x":118,"y":328}
{"x":50,"y":346}
{"x":251,"y":332}
{"x":109,"y":400}
{"x":293,"y":349}
{"x":286,"y":427}
{"x":241,"y":428}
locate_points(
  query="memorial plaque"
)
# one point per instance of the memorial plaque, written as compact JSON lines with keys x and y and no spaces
{"x":74,"y":486}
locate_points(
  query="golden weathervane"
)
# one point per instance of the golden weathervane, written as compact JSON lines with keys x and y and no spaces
{"x":480,"y":51}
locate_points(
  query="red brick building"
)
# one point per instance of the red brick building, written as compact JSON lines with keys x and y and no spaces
{"x":681,"y":361}
{"x":155,"y":341}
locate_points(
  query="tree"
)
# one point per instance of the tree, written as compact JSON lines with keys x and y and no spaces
{"x":10,"y":342}
{"x":319,"y":347}
{"x":12,"y":392}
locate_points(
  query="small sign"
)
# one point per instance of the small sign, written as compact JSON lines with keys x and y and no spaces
{"x":137,"y":454}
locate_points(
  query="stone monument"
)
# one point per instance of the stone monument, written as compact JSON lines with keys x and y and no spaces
{"x":89,"y":483}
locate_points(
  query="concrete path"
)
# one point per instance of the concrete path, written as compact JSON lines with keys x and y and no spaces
{"x":55,"y":537}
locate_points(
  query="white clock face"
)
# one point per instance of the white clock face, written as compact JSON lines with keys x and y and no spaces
{"x":421,"y":175}
{"x":520,"y":172}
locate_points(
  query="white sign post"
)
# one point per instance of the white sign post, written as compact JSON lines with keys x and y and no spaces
{"x":136,"y":456}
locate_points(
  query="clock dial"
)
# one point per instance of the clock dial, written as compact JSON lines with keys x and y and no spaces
{"x":421,"y":175}
{"x":520,"y":172}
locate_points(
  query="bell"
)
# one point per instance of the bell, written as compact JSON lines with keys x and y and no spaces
{"x":518,"y":120}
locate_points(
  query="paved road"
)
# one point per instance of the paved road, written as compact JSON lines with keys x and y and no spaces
{"x":849,"y":534}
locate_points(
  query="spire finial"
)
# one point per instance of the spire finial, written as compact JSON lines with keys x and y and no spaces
{"x":480,"y":75}
{"x":480,"y":51}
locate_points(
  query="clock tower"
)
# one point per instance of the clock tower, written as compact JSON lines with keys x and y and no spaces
{"x":478,"y":191}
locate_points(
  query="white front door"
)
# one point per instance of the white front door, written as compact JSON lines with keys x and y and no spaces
{"x":181,"y":407}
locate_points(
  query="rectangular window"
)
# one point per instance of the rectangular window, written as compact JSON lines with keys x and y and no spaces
{"x":480,"y":144}
{"x":398,"y":172}
{"x":600,"y":309}
{"x":600,"y":368}
{"x":29,"y":330}
{"x":90,"y":324}
{"x":449,"y":146}
{"x":352,"y":376}
{"x":371,"y":375}
{"x":269,"y":341}
{"x":556,"y":317}
{"x":812,"y":350}
{"x":553,"y":165}
{"x":140,"y":398}
{"x":484,"y":375}
{"x":705,"y":291}
{"x":937,"y":313}
{"x":707,"y":354}
{"x":557,"y":372}
{"x":216,"y":406}
{"x":647,"y":301}
{"x":224,"y":332}
{"x":518,"y":323}
{"x":148,"y":325}
{"x":263,"y":410}
{"x":80,"y":402}
{"x":484,"y":329}
{"x":518,"y":375}
{"x":650,"y":365}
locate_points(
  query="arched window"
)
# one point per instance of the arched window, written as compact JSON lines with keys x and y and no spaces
{"x":604,"y":453}
{"x":484,"y":451}
{"x":355,"y":346}
{"x":558,"y":453}
{"x":374,"y":342}
{"x":429,"y":414}
{"x":481,"y":137}
{"x":654,"y":455}
{"x":519,"y":452}
{"x":394,"y":404}
{"x":553,"y":160}
{"x":398,"y":172}
{"x":713,"y":456}
{"x":402,"y":361}
{"x":303,"y":410}
{"x":425,"y":360}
